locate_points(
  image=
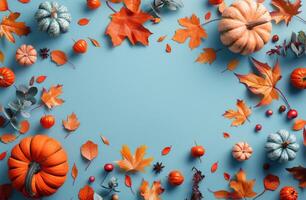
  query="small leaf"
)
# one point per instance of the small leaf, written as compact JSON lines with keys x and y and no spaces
{"x":72,"y":123}
{"x":299,"y":124}
{"x":3,"y":5}
{"x":128,"y":181}
{"x":299,"y":173}
{"x":208,"y":56}
{"x":83,"y":21}
{"x":2,"y":57}
{"x":89,"y":150}
{"x":41,"y":79}
{"x":94,"y":42}
{"x":226,"y":135}
{"x":207,"y":16}
{"x":161,"y":38}
{"x":105,"y":140}
{"x":232,"y":64}
{"x":271,"y":182}
{"x":24,"y":1}
{"x":31,"y":82}
{"x":304,"y":137}
{"x":166,"y":150}
{"x":168,"y":48}
{"x":86,"y":193}
{"x":8,"y":138}
{"x":24,"y":126}
{"x":2,"y":155}
{"x":59,"y":57}
{"x":226,"y":176}
{"x":74,"y":172}
{"x":214,"y":167}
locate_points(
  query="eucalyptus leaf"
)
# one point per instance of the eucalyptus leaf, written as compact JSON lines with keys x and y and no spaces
{"x":25,"y":114}
{"x":172,"y":5}
{"x":97,"y":197}
{"x":32,"y":91}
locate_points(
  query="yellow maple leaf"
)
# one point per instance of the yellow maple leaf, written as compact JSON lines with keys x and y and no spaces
{"x":285,"y":10}
{"x":134,"y":163}
{"x":50,"y":98}
{"x":239,"y":116}
{"x":153,"y":193}
{"x":209,"y":55}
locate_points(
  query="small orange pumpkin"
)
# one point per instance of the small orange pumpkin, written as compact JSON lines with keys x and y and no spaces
{"x":7,"y":77}
{"x":93,"y":4}
{"x":298,"y":78}
{"x":197,"y":151}
{"x":47,"y":121}
{"x":38,"y":166}
{"x":175,"y":178}
{"x":26,"y":55}
{"x":80,"y":46}
{"x":242,"y":151}
{"x":245,"y":26}
{"x":288,"y":193}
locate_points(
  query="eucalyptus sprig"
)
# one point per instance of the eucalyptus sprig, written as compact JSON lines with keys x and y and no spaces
{"x":158,"y":5}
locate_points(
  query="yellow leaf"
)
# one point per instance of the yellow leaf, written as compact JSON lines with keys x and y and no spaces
{"x":239,"y":116}
{"x":209,"y":55}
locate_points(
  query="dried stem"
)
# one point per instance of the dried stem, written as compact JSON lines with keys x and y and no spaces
{"x":87,"y":165}
{"x":213,"y":20}
{"x":260,"y":194}
{"x":283,"y":97}
{"x":110,"y":7}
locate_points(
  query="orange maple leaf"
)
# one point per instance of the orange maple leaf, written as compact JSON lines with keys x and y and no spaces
{"x":264,"y":85}
{"x":209,"y":55}
{"x":134,"y":163}
{"x":3,"y":5}
{"x":127,"y":24}
{"x":153,"y":193}
{"x":285,"y":10}
{"x":239,"y":116}
{"x":86,"y":193}
{"x":72,"y":123}
{"x":8,"y":26}
{"x":50,"y":98}
{"x":193,"y":30}
{"x":132,"y":5}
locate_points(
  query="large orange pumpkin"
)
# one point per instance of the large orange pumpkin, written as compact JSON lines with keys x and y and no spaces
{"x":298,"y":78}
{"x":38,"y":166}
{"x":245,"y":26}
{"x":7,"y":77}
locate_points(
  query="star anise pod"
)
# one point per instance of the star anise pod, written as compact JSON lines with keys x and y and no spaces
{"x":44,"y":53}
{"x":158,"y":167}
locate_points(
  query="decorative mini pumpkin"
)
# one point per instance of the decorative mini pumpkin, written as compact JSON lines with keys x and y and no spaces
{"x":47,"y":121}
{"x":53,"y":18}
{"x":281,"y":146}
{"x":245,"y":26}
{"x":38,"y":166}
{"x":175,"y":178}
{"x":242,"y":151}
{"x":197,"y":151}
{"x":298,"y":78}
{"x":80,"y":46}
{"x":93,"y":4}
{"x":288,"y":193}
{"x":26,"y":55}
{"x":7,"y":77}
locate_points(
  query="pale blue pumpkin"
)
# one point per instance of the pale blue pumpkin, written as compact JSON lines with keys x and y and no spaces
{"x":53,"y":18}
{"x":281,"y":146}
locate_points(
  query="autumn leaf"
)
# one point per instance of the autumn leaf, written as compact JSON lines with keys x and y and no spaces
{"x":50,"y":98}
{"x":239,"y":116}
{"x":214,"y":167}
{"x":132,"y":5}
{"x":24,"y":126}
{"x":128,"y":181}
{"x":161,"y":38}
{"x":105,"y":140}
{"x":8,"y":26}
{"x":209,"y":55}
{"x":89,"y":151}
{"x":86,"y":193}
{"x":264,"y":85}
{"x":41,"y":79}
{"x":152,"y":193}
{"x":166,"y":150}
{"x":168,"y":48}
{"x":232,"y":64}
{"x":2,"y":57}
{"x":193,"y":30}
{"x":134,"y":163}
{"x":285,"y":10}
{"x":207,"y":16}
{"x":127,"y":24}
{"x":8,"y":138}
{"x":94,"y":42}
{"x":299,"y":173}
{"x":299,"y":124}
{"x":304,"y":136}
{"x":83,"y":21}
{"x":72,"y":123}
{"x":271,"y":182}
{"x":226,"y":135}
{"x":6,"y":191}
{"x":226,"y":176}
{"x":2,"y":155}
{"x":3,"y":5}
{"x":24,"y":1}
{"x":59,"y":57}
{"x":74,"y":173}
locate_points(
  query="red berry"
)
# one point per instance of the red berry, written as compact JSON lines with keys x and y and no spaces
{"x":269,"y":112}
{"x":258,"y":127}
{"x":275,"y":38}
{"x":108,"y":167}
{"x":197,"y":151}
{"x":215,"y":2}
{"x":282,"y":108}
{"x":91,"y":179}
{"x":292,"y":113}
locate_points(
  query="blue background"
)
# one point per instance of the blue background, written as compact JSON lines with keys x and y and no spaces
{"x":141,"y":95}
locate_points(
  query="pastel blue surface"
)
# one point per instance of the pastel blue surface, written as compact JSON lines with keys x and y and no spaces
{"x":141,"y":95}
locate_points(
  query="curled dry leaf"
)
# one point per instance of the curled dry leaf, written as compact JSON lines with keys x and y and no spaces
{"x":105,"y":140}
{"x":41,"y":79}
{"x":209,"y":55}
{"x":2,"y":155}
{"x":193,"y":30}
{"x":214,"y":167}
{"x":86,"y":193}
{"x":226,"y":135}
{"x":285,"y":10}
{"x":134,"y":163}
{"x":50,"y":98}
{"x":271,"y":182}
{"x":239,"y":116}
{"x":128,"y":181}
{"x":94,"y":42}
{"x":8,"y":138}
{"x":161,"y":38}
{"x":83,"y":21}
{"x":168,"y":48}
{"x":166,"y":150}
{"x":152,"y":193}
{"x":207,"y":16}
{"x":59,"y":57}
{"x":299,"y":173}
{"x":226,"y":176}
{"x":24,"y":1}
{"x":72,"y":123}
{"x":299,"y":124}
{"x":6,"y":191}
{"x":24,"y":126}
{"x":74,"y":172}
{"x":232,"y":64}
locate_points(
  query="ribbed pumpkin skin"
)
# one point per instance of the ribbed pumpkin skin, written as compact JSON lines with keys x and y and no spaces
{"x":288,"y":193}
{"x":175,"y":178}
{"x":26,"y":55}
{"x":282,"y":146}
{"x":80,"y":46}
{"x":53,"y":18}
{"x":242,"y":151}
{"x":245,"y":26}
{"x":45,"y":152}
{"x":298,"y":78}
{"x":7,"y":77}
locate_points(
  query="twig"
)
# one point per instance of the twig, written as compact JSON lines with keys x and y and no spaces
{"x":283,"y":97}
{"x":110,"y":7}
{"x":213,"y":20}
{"x":259,"y":195}
{"x":88,"y":165}
{"x":300,"y":18}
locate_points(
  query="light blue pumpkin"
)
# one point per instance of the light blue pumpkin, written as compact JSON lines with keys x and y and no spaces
{"x":53,"y":18}
{"x":281,"y":146}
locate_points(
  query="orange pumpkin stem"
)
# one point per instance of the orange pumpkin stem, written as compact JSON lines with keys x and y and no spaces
{"x":253,"y":24}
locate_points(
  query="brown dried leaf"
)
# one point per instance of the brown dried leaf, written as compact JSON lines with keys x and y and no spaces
{"x":161,"y":38}
{"x":299,"y":173}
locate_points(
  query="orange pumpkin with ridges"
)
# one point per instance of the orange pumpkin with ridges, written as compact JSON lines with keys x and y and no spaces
{"x":288,"y":193}
{"x":298,"y":78}
{"x":175,"y":178}
{"x":38,"y":166}
{"x":7,"y":77}
{"x":80,"y":46}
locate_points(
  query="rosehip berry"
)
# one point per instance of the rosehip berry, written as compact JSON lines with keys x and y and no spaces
{"x":115,"y":197}
{"x":258,"y":127}
{"x":2,"y":121}
{"x":269,"y":112}
{"x":108,"y":167}
{"x":292,"y":113}
{"x":215,"y":2}
{"x":282,"y":108}
{"x":275,"y":38}
{"x":197,"y":151}
{"x":91,"y":179}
